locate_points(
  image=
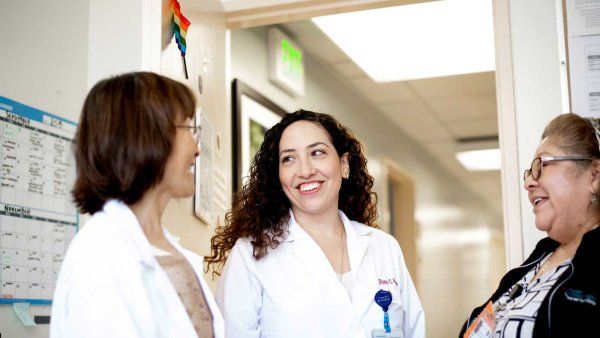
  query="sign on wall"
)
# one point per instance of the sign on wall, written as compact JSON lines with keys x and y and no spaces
{"x":583,"y":39}
{"x":37,"y":218}
{"x":286,"y":63}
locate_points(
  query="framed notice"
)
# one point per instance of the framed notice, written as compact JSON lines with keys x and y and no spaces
{"x":203,"y":199}
{"x":37,"y":217}
{"x":583,"y":40}
{"x":253,"y":115}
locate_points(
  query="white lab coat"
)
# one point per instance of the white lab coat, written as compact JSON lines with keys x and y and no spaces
{"x":294,"y":291}
{"x":111,"y":285}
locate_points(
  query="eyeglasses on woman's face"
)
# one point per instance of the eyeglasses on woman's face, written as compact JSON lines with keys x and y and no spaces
{"x":194,"y":130}
{"x":535,"y":171}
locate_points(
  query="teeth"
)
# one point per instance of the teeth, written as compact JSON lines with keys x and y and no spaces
{"x":309,"y":187}
{"x":537,"y":201}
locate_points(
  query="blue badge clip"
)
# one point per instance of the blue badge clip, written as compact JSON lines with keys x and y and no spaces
{"x":383,"y":298}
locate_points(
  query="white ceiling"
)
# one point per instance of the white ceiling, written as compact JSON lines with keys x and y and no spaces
{"x":434,"y":112}
{"x":240,"y":5}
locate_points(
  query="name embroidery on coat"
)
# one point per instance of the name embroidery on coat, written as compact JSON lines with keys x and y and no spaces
{"x":388,"y":281}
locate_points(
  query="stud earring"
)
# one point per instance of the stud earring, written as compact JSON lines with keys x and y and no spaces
{"x":595,"y":201}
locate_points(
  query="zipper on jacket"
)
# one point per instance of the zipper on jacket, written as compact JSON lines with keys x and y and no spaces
{"x":520,"y":267}
{"x":554,"y":292}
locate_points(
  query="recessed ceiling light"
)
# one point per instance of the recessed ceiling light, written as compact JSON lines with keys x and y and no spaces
{"x":431,"y":39}
{"x":480,"y":160}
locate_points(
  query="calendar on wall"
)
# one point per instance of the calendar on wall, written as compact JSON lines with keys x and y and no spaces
{"x":38,"y":219}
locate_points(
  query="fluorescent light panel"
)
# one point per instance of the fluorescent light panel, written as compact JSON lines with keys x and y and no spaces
{"x":480,"y":160}
{"x":424,"y":40}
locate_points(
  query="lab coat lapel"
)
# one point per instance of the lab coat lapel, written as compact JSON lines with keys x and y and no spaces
{"x":168,"y":295}
{"x":309,"y":253}
{"x":133,"y":231}
{"x":358,"y":242}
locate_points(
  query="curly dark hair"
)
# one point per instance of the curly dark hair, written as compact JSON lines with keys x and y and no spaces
{"x":260,"y":210}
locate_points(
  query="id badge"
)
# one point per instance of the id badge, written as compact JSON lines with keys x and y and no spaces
{"x":396,"y":333}
{"x":484,"y":325}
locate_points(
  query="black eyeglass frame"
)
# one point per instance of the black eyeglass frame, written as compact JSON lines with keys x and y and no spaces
{"x":195,"y":130}
{"x":543,"y":159}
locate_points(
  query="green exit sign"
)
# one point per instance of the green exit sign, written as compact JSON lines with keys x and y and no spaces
{"x":292,"y":59}
{"x":286,"y":62}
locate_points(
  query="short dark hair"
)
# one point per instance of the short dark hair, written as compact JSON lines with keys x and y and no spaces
{"x":261,"y":209}
{"x":124,"y":137}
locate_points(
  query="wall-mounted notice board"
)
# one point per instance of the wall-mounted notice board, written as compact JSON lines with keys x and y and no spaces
{"x":37,"y":217}
{"x":583,"y":40}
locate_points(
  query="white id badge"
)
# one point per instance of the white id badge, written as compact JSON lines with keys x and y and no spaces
{"x":396,"y":333}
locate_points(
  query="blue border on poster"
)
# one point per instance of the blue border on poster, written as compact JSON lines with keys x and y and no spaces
{"x":27,"y":111}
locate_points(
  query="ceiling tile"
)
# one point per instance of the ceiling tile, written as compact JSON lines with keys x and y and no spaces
{"x":349,"y":70}
{"x":382,"y":93}
{"x":458,"y":108}
{"x":457,"y":85}
{"x":415,"y":120}
{"x":474,"y":128}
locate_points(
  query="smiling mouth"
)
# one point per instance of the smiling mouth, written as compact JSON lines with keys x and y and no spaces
{"x":191,"y":169}
{"x":309,"y":187}
{"x":538,"y":200}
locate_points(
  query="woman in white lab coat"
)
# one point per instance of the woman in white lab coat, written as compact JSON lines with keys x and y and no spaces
{"x":303,"y":258}
{"x":124,"y":275}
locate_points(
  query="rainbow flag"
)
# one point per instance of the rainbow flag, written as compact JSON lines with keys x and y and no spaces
{"x":180,"y":27}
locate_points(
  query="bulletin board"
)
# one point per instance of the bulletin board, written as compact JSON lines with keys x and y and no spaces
{"x":204,"y":197}
{"x":583,"y":41}
{"x":37,"y":217}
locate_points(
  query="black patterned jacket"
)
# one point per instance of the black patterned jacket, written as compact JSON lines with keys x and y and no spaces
{"x":572,"y":306}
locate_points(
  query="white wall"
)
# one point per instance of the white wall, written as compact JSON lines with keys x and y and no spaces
{"x":531,"y":91}
{"x":539,"y":96}
{"x":452,"y":278}
{"x":43,"y":63}
{"x":206,"y":56}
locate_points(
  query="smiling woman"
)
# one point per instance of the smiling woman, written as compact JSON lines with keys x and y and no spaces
{"x":554,"y":292}
{"x":300,"y":244}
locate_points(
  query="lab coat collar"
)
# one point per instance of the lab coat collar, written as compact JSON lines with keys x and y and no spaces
{"x":357,"y":241}
{"x":353,"y":229}
{"x":133,"y":230}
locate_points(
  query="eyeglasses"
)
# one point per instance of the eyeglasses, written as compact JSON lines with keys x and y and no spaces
{"x":194,"y":130}
{"x":535,"y":171}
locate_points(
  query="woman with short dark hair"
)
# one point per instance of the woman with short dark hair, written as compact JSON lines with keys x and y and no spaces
{"x":124,"y":275}
{"x":556,"y":291}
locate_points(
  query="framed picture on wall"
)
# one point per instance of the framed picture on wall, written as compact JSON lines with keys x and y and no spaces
{"x":253,"y":115}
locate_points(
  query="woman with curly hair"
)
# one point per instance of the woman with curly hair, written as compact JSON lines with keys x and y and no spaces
{"x":303,"y":258}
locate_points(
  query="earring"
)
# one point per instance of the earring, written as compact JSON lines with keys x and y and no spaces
{"x":595,"y":201}
{"x":346,"y":174}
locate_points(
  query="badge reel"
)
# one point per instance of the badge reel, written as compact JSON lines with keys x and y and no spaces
{"x":383,"y":298}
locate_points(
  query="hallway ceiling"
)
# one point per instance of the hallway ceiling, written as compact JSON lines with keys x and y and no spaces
{"x":435,"y":112}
